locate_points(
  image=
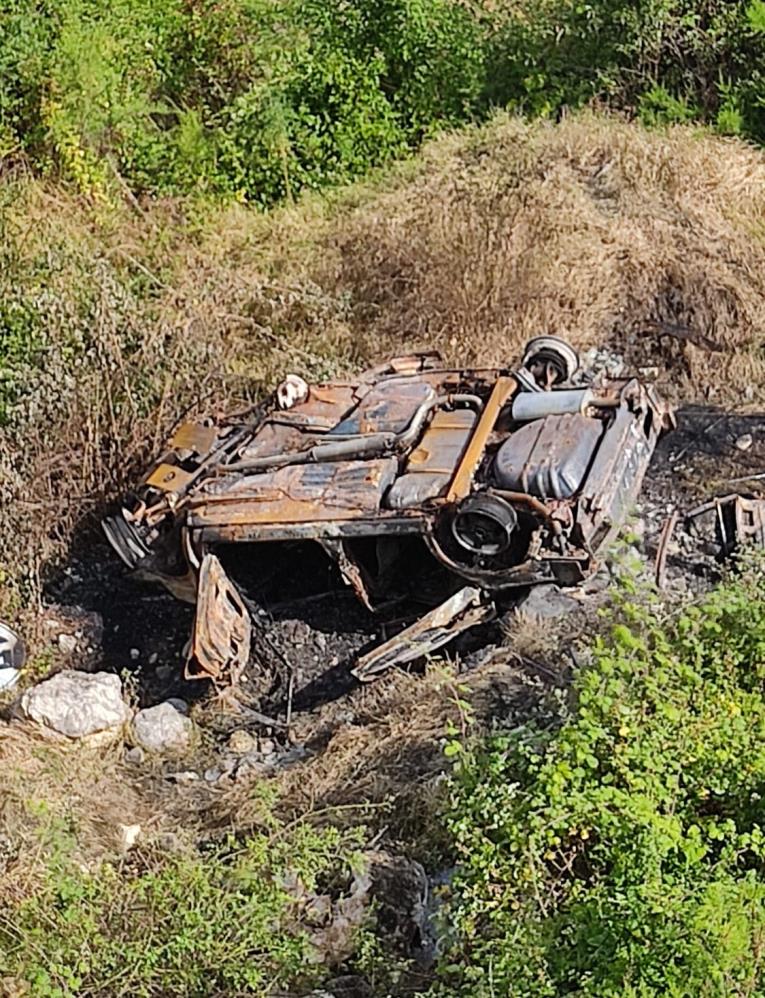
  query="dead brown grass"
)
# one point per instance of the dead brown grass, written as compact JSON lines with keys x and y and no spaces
{"x":56,"y":796}
{"x":593,"y":228}
{"x":377,"y":755}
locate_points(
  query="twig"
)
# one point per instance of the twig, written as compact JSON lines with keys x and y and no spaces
{"x":661,"y":554}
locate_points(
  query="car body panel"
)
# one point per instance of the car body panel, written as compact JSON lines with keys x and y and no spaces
{"x":509,"y":478}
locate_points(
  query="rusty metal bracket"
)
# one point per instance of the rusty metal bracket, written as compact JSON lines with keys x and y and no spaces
{"x":220,"y":642}
{"x":459,"y":613}
{"x":737,"y":519}
{"x":463,"y":478}
{"x":349,"y":568}
{"x":661,"y":553}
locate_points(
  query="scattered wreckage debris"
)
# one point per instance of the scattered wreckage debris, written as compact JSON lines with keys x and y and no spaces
{"x":723,"y":525}
{"x":12,"y":657}
{"x":493,"y":479}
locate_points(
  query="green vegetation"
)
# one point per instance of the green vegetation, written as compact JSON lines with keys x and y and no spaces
{"x":226,"y":919}
{"x":256,"y":99}
{"x":622,"y":852}
{"x":619,"y":851}
{"x":246,"y":98}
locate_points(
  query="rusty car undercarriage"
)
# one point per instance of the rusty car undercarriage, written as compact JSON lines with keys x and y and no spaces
{"x":495,"y":479}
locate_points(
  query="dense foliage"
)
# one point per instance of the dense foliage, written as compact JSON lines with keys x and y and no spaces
{"x":259,"y":98}
{"x":623,"y":852}
{"x":229,"y":919}
{"x":250,"y":98}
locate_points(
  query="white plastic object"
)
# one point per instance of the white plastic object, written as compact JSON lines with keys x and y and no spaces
{"x":291,"y":391}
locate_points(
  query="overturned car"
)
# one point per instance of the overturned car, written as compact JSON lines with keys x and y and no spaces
{"x":495,"y":478}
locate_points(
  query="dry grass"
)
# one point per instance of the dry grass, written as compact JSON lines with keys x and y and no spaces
{"x":593,"y":228}
{"x":53,"y":795}
{"x":377,"y":755}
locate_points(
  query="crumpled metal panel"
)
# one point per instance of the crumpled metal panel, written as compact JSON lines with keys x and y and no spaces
{"x":297,"y":494}
{"x":220,"y":642}
{"x":431,"y":464}
{"x":548,"y":458}
{"x":387,"y":408}
{"x":737,"y":519}
{"x":459,"y":613}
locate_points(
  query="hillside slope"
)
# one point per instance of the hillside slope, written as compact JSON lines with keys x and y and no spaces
{"x":118,"y":319}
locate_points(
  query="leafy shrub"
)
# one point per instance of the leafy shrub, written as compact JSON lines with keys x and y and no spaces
{"x":221,"y":921}
{"x":673,"y":59}
{"x":251,"y":98}
{"x":624,"y":852}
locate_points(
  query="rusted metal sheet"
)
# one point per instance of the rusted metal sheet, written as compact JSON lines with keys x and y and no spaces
{"x":463,"y":476}
{"x":195,"y":437}
{"x":737,"y":520}
{"x":620,"y":463}
{"x":386,"y":408}
{"x":220,"y":642}
{"x":169,"y":478}
{"x":297,"y":494}
{"x":431,"y":464}
{"x":459,"y":613}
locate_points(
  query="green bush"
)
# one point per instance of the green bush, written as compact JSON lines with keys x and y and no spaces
{"x":248,"y":98}
{"x":671,"y":59}
{"x":257,"y":99}
{"x":222,"y":921}
{"x":623,"y":851}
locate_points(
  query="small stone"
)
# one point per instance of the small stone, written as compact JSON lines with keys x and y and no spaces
{"x":180,"y":705}
{"x":67,"y":643}
{"x":184,"y":776}
{"x":129,"y":835}
{"x":153,"y":658}
{"x":250,"y":767}
{"x":212,"y":775}
{"x":162,"y":729}
{"x":744,"y":442}
{"x":296,"y":754}
{"x":546,"y":602}
{"x":241,"y":742}
{"x":170,"y":842}
{"x":135,"y":755}
{"x":135,"y":654}
{"x":77,"y":704}
{"x":266,"y":746}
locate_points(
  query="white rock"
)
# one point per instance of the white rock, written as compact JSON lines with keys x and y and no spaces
{"x":135,"y":654}
{"x":745,"y":441}
{"x":162,"y":729}
{"x":67,"y":643}
{"x":77,"y":704}
{"x":129,"y":835}
{"x":135,"y":755}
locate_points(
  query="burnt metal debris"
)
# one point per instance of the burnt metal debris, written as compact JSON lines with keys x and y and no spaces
{"x":12,"y":656}
{"x":499,"y":478}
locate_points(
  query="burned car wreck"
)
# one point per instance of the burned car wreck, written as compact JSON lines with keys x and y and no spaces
{"x":495,"y":478}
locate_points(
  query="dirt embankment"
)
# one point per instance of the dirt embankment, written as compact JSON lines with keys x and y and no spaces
{"x":122,"y":318}
{"x":648,"y":245}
